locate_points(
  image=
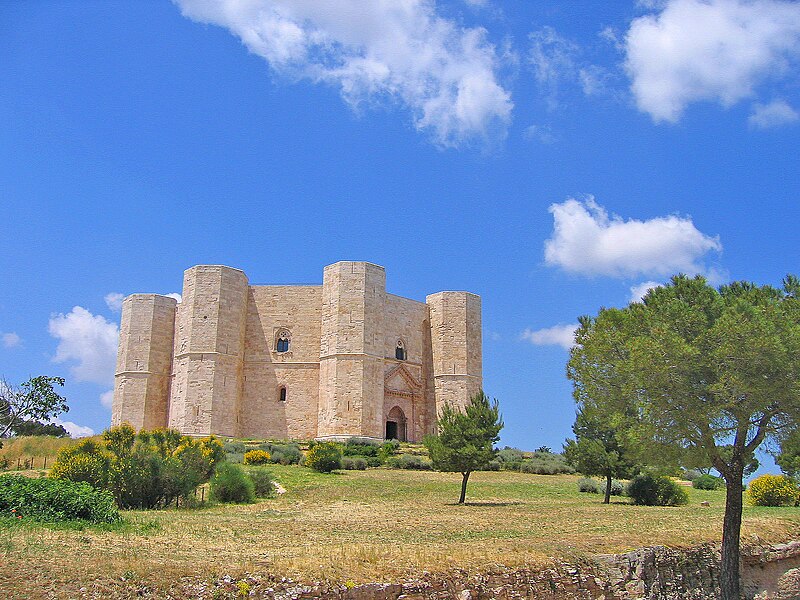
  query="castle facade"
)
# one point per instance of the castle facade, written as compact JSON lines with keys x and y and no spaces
{"x":332,"y":361}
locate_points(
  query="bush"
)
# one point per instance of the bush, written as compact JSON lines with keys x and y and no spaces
{"x":354,"y":463}
{"x":773,"y":490}
{"x":588,"y":485}
{"x":324,"y":457}
{"x":691,"y":474}
{"x":257,"y":457}
{"x":707,"y":482}
{"x":231,"y":484}
{"x":263,"y":482}
{"x":650,"y":490}
{"x":510,"y":456}
{"x":144,"y":470}
{"x":617,"y":489}
{"x":387,"y":450}
{"x":285,"y":454}
{"x":409,"y":462}
{"x":492,"y":466}
{"x":55,"y":500}
{"x":354,"y":447}
{"x":234,"y":447}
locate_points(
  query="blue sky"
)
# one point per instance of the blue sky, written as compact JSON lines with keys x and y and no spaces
{"x":550,"y":156}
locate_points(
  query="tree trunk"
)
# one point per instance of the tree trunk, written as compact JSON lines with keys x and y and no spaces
{"x":607,"y":499}
{"x":731,"y":530}
{"x":465,"y":477}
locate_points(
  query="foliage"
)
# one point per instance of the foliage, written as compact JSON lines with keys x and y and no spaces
{"x":263,"y":481}
{"x":544,"y":449}
{"x":55,"y":500}
{"x":707,"y":482}
{"x":788,"y":456}
{"x":144,"y":470}
{"x":538,"y":462}
{"x":355,"y":447}
{"x":773,"y":490}
{"x":36,"y":400}
{"x":283,"y":454}
{"x":511,"y":456}
{"x":409,"y":462}
{"x":388,"y":449}
{"x":656,"y":490}
{"x":324,"y":457}
{"x":235,"y":447}
{"x":588,"y":485}
{"x":599,"y":448}
{"x":257,"y":457}
{"x":231,"y":484}
{"x":35,"y":428}
{"x":465,"y":441}
{"x":695,"y":369}
{"x":354,"y":463}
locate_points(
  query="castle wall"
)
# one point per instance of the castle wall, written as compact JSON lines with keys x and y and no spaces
{"x":144,"y":361}
{"x":209,"y":351}
{"x":456,"y":346}
{"x":352,"y":350}
{"x":270,"y":310}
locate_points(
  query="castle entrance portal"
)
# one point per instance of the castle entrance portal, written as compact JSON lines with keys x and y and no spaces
{"x":396,"y":425}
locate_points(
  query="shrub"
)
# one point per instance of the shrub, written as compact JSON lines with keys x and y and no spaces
{"x":691,"y":474}
{"x":707,"y":482}
{"x":588,"y":485}
{"x":263,"y":482}
{"x":409,"y":462}
{"x":234,"y":447}
{"x":143,"y":470}
{"x":257,"y":457}
{"x":324,"y":457}
{"x":55,"y":500}
{"x":231,"y":484}
{"x":545,"y":463}
{"x":284,"y":454}
{"x":387,"y":450}
{"x":773,"y":490}
{"x":354,"y":463}
{"x":510,"y":456}
{"x":651,"y":490}
{"x":493,"y":465}
{"x":355,"y":447}
{"x":617,"y":489}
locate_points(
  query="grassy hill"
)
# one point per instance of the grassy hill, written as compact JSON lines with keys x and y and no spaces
{"x":374,"y":525}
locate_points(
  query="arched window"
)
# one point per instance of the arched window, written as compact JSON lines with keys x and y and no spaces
{"x":282,"y":393}
{"x":282,"y":342}
{"x":400,"y":351}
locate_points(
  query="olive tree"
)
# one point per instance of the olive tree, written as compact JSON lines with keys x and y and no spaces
{"x":36,"y":400}
{"x":707,"y":374}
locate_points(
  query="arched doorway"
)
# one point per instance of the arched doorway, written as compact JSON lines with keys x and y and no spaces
{"x":396,"y":425}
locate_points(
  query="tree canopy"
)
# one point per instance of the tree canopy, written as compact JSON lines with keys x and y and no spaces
{"x":706,"y":375}
{"x":465,"y":439}
{"x":599,"y":448}
{"x":34,"y":400}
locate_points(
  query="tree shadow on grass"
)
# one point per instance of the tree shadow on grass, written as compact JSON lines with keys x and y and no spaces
{"x":486,"y":504}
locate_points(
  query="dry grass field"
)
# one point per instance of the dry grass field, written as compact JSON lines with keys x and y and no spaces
{"x":374,"y":525}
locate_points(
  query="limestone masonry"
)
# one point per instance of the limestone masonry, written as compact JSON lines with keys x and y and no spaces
{"x":344,"y":359}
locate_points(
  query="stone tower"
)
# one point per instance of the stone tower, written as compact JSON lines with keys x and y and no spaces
{"x":144,"y":361}
{"x":456,"y":344}
{"x":351,"y":350}
{"x":209,"y":351}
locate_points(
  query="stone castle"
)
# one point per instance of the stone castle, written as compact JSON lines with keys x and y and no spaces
{"x":340,"y":360}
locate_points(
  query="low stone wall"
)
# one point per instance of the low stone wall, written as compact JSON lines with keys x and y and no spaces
{"x":656,"y":573}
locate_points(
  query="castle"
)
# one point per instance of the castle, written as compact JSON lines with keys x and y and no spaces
{"x":332,"y":361}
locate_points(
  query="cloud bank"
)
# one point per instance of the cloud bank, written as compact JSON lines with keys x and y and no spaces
{"x":400,"y":50}
{"x":712,"y":50}
{"x":558,"y":335}
{"x":587,"y":241}
{"x":88,"y":342}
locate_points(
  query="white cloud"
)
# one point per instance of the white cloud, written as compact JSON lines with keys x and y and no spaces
{"x":558,"y":335}
{"x":74,"y":430}
{"x":716,"y":50}
{"x":11,"y":340}
{"x":87,"y":340}
{"x":774,"y":114}
{"x":114,"y":301}
{"x":640,"y":289}
{"x":554,"y":59}
{"x":540,"y":133}
{"x":586,"y":240}
{"x":399,"y":50}
{"x":175,"y":295}
{"x":107,"y":398}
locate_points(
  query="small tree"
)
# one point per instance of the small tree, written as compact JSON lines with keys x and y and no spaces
{"x":599,"y":449}
{"x":465,"y":442}
{"x":33,"y":400}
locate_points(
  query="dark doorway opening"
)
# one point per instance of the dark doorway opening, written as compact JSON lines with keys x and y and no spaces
{"x":391,"y":430}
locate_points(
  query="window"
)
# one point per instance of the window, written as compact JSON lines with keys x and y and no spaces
{"x":282,"y":394}
{"x":400,"y":351}
{"x":282,"y":342}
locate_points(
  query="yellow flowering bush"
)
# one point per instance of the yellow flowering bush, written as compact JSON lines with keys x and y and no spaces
{"x":773,"y":490}
{"x":257,"y":457}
